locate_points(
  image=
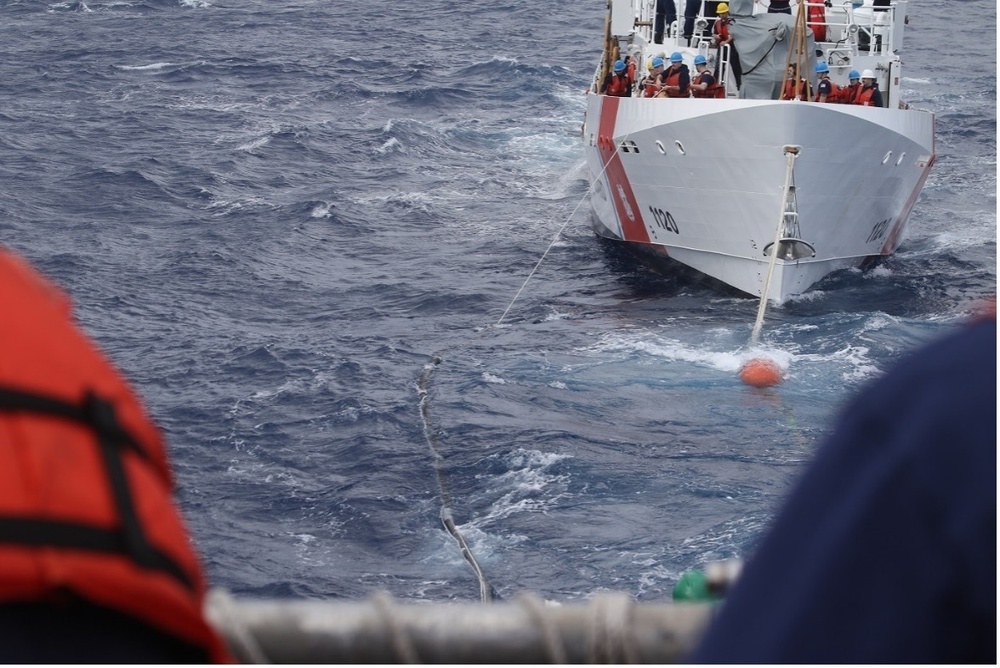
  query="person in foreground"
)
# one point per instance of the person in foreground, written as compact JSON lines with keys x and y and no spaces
{"x":885,"y":551}
{"x":96,"y":563}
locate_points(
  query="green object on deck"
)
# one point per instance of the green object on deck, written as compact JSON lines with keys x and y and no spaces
{"x":692,"y":587}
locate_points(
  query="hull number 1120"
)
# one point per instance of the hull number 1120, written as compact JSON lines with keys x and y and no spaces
{"x":664,"y":220}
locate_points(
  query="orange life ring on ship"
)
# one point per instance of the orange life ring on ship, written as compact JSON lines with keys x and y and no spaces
{"x":817,"y":20}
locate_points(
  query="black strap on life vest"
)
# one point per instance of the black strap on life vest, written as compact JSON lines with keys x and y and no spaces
{"x":99,"y":416}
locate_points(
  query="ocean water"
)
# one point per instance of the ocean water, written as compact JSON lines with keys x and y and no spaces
{"x":274,"y":214}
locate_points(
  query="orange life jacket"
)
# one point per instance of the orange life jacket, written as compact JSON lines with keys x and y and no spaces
{"x":848,"y":93}
{"x":651,"y":88}
{"x":864,"y":96}
{"x":672,"y":77}
{"x":714,"y":90}
{"x":720,"y":30}
{"x":85,"y":486}
{"x":834,"y":94}
{"x":619,"y":86}
{"x":790,"y":91}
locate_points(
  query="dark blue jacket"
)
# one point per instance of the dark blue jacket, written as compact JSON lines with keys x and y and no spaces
{"x":886,"y":550}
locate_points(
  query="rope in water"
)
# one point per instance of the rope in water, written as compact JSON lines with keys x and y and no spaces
{"x":486,"y":592}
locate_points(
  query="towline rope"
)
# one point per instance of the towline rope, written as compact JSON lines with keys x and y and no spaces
{"x":791,"y":152}
{"x":486,"y":591}
{"x":559,"y":233}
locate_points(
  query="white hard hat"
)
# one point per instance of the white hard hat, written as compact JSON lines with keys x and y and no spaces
{"x":867,"y":74}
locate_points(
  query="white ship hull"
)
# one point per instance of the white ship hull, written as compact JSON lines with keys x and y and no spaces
{"x":712,"y":183}
{"x":702,"y":182}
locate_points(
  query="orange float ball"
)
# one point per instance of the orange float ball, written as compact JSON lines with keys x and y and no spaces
{"x":760,"y":372}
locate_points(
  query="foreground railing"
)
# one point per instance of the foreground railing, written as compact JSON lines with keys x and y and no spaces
{"x":611,"y":628}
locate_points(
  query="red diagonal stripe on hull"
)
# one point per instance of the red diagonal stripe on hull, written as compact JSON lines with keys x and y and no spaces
{"x":893,"y":241}
{"x":620,"y":191}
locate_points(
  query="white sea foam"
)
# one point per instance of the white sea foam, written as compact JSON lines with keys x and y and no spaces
{"x":151,"y":66}
{"x":82,"y":7}
{"x":878,"y":272}
{"x":878,"y":321}
{"x":254,"y":144}
{"x":810,"y":296}
{"x":321,"y":210}
{"x":528,"y":486}
{"x":672,"y":349}
{"x":390,"y":144}
{"x":852,"y":363}
{"x":229,"y":206}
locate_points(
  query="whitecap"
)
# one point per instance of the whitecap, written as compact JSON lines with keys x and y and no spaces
{"x":321,"y":210}
{"x":151,"y":66}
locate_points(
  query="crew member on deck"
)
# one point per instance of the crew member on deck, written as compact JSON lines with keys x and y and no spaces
{"x":703,"y":84}
{"x":849,"y":93}
{"x":722,"y":37}
{"x":617,"y":83}
{"x":869,"y":95}
{"x":795,"y":87}
{"x":779,"y":7}
{"x":677,"y":79}
{"x":826,"y":90}
{"x":651,"y":84}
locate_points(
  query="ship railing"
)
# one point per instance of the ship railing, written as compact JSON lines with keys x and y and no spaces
{"x":645,"y":13}
{"x":675,"y":28}
{"x":610,"y":628}
{"x":874,"y":30}
{"x":868,"y":29}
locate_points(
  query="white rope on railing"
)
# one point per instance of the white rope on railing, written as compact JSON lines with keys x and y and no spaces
{"x":554,"y":650}
{"x":401,"y":643}
{"x":610,"y":628}
{"x":223,"y":613}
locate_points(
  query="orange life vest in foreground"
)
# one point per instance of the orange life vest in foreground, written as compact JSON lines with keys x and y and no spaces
{"x":85,"y":487}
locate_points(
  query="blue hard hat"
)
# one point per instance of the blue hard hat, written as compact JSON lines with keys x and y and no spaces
{"x":619,"y":66}
{"x":822,"y":67}
{"x":700,"y":59}
{"x":854,"y":75}
{"x":657,"y":62}
{"x":676,"y":57}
